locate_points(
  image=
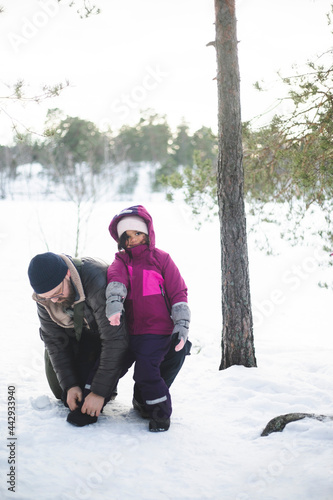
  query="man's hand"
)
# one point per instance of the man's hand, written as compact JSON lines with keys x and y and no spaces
{"x":93,"y":405}
{"x":74,"y":396}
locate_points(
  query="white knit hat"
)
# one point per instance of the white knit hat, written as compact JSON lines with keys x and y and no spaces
{"x":131,"y":223}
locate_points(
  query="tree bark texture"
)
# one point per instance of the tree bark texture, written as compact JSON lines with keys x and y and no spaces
{"x":237,"y":332}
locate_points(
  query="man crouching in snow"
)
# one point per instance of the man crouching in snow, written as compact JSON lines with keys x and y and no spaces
{"x":84,"y":354}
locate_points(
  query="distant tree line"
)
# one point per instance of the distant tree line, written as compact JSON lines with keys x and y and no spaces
{"x":70,"y":144}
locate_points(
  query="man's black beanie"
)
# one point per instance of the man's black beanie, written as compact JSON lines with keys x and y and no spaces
{"x":46,"y":271}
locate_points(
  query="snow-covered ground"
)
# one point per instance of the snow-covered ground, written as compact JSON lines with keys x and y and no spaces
{"x":213,"y":449}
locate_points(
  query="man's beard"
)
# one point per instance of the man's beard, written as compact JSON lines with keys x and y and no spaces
{"x":68,"y":301}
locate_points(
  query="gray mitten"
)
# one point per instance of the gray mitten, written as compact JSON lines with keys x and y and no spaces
{"x":115,"y":295}
{"x":181,"y":316}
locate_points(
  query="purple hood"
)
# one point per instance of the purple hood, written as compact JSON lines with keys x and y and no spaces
{"x":140,"y":211}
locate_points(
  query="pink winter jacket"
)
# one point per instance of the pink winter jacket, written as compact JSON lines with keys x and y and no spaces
{"x":152,"y":279}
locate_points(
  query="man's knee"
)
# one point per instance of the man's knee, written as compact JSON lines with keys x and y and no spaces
{"x":52,"y":377}
{"x":174,"y":361}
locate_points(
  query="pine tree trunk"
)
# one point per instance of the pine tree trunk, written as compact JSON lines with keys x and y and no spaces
{"x":237,"y":333}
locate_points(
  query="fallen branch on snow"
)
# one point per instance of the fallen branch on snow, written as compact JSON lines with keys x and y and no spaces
{"x":277,"y":424}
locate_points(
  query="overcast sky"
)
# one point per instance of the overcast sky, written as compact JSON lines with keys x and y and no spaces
{"x":149,"y":54}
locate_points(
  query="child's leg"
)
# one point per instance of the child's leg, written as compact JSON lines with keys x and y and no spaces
{"x":150,"y":350}
{"x":170,"y":366}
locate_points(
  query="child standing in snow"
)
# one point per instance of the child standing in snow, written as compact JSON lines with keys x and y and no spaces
{"x":148,"y":282}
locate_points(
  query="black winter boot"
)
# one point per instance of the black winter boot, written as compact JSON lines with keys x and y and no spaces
{"x":159,"y":425}
{"x":140,"y":407}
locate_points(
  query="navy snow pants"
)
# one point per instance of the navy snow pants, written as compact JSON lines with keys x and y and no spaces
{"x":148,"y":352}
